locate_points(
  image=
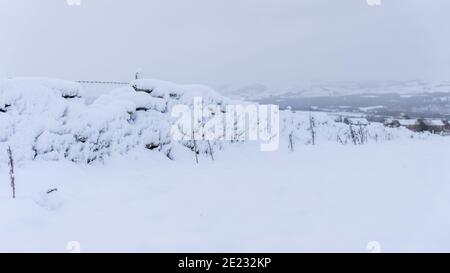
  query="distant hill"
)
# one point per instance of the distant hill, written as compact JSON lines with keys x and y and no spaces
{"x":258,"y":91}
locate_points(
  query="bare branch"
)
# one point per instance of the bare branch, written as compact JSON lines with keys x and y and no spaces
{"x":11,"y":172}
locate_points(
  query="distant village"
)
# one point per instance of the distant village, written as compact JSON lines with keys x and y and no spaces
{"x":435,"y":126}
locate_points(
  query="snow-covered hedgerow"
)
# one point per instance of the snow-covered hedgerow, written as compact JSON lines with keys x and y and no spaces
{"x":49,"y":119}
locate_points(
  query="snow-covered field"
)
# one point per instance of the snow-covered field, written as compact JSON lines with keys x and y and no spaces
{"x":383,"y":187}
{"x":323,"y":198}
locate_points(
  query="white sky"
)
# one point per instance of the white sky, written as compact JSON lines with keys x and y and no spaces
{"x":226,"y":41}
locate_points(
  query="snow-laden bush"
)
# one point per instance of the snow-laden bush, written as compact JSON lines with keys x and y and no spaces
{"x":176,"y":94}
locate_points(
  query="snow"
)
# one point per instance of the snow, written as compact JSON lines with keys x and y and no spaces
{"x":46,"y":118}
{"x":140,"y":100}
{"x":407,"y":122}
{"x":41,"y":122}
{"x":406,"y":89}
{"x":329,"y":187}
{"x":435,"y":122}
{"x":182,"y":93}
{"x":371,"y":108}
{"x":49,"y":119}
{"x":65,"y":88}
{"x":324,"y":198}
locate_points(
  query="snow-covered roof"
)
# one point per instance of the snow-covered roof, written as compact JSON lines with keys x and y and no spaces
{"x":389,"y":120}
{"x":434,"y":122}
{"x":407,"y":122}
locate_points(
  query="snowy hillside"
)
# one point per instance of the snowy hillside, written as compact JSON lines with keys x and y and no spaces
{"x":106,"y":175}
{"x":258,"y":91}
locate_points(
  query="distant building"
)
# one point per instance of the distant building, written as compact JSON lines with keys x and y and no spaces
{"x":447,"y":125}
{"x":392,"y":123}
{"x":436,"y":126}
{"x":411,"y":124}
{"x":420,"y":125}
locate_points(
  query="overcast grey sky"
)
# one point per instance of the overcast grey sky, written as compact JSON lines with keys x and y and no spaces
{"x":226,"y":41}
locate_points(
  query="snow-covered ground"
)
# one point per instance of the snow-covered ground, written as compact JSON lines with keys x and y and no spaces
{"x":356,"y":186}
{"x":322,"y":198}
